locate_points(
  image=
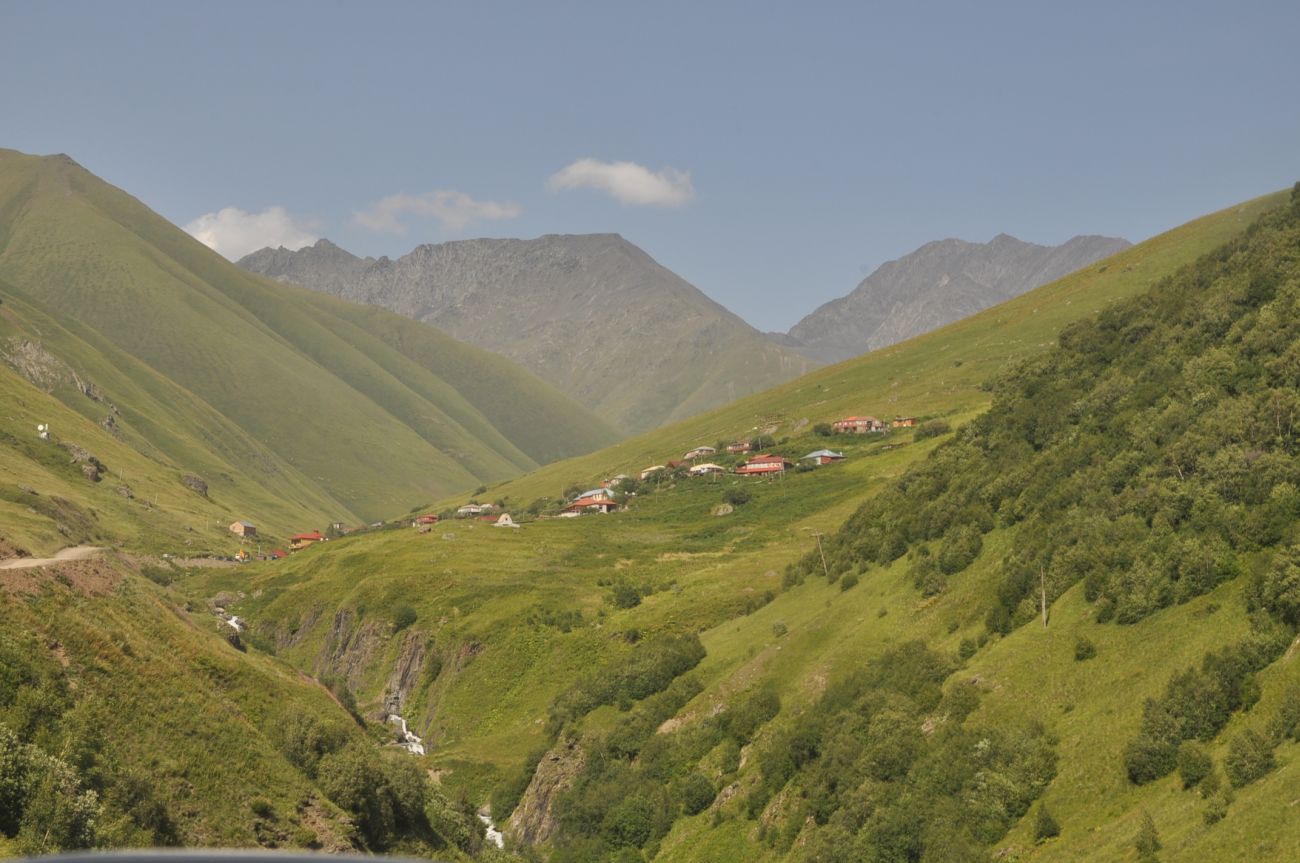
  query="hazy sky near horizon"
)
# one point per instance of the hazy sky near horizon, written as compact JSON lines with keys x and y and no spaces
{"x":771,"y":154}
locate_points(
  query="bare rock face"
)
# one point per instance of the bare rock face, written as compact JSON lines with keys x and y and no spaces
{"x":592,"y":314}
{"x":195,"y":484}
{"x":406,"y":670}
{"x":939,"y":283}
{"x":533,"y":821}
{"x":91,"y":467}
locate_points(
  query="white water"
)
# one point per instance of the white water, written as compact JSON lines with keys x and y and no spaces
{"x":235,"y":623}
{"x":407,"y":740}
{"x":495,"y":836}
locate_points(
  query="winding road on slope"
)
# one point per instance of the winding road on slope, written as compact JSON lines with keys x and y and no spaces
{"x":76,"y":552}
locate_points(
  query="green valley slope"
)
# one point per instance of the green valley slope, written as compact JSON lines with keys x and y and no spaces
{"x":289,"y":404}
{"x":490,"y":641}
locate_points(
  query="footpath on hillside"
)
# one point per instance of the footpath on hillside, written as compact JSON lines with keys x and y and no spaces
{"x":76,"y":552}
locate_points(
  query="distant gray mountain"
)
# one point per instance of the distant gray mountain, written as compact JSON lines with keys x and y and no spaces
{"x":592,"y":314}
{"x":939,"y":283}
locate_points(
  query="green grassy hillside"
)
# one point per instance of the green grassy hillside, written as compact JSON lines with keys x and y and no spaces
{"x":369,"y":411}
{"x":129,"y":720}
{"x":495,"y":643}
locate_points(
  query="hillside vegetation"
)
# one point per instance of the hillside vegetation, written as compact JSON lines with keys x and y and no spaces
{"x":546,"y":668}
{"x":688,"y":680}
{"x":344,"y":411}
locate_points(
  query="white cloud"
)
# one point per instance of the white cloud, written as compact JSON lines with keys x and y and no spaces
{"x":628,"y":182}
{"x":233,"y":233}
{"x":454,"y":211}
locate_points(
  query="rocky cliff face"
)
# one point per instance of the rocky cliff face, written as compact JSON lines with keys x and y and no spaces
{"x":939,"y":283}
{"x":592,"y":314}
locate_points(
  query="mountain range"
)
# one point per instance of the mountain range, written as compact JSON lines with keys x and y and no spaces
{"x":941,"y":282}
{"x":592,"y":314}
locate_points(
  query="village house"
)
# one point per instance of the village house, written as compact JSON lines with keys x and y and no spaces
{"x":707,"y":468}
{"x":739,"y":447}
{"x":650,"y":470}
{"x":698,"y":452}
{"x":823,"y":456}
{"x":474,"y":509}
{"x":424,"y":519}
{"x":858,"y":425}
{"x":904,"y":422}
{"x":603,"y":493}
{"x":299,"y":541}
{"x":764,"y":464}
{"x":505,"y":521}
{"x":243,"y":528}
{"x":584,"y":505}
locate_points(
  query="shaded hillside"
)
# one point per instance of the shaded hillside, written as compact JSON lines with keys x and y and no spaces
{"x":939,"y":283}
{"x":367,"y":409}
{"x":591,"y":314}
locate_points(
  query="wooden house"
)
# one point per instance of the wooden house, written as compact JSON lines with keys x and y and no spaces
{"x":858,"y":425}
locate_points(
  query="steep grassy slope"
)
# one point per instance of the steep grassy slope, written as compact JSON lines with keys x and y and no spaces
{"x":372,"y":410}
{"x":508,"y":635}
{"x":126,"y":719}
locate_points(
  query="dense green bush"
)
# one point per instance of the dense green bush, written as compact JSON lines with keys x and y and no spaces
{"x":403,"y":616}
{"x":698,"y":793}
{"x":1250,"y":756}
{"x":1045,"y":826}
{"x":736,"y":496}
{"x":1084,"y":649}
{"x":1194,"y":764}
{"x":1198,"y":702}
{"x":930,"y":429}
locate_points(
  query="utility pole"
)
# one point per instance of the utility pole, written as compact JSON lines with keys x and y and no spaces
{"x":825,"y":569}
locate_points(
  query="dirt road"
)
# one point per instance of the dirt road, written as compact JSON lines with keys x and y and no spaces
{"x":78,"y":552}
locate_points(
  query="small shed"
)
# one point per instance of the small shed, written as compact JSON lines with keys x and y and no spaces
{"x":244,"y":528}
{"x":505,"y":521}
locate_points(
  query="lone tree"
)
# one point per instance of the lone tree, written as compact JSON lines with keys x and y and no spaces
{"x":1147,"y":842}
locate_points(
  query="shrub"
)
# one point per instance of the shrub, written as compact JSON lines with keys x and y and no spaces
{"x":823,"y":430}
{"x":736,"y":496}
{"x":779,"y":629}
{"x":1147,"y":841}
{"x":930,"y":429}
{"x":1084,"y":649}
{"x":849,"y":581}
{"x":1147,"y":758}
{"x":1045,"y":826}
{"x":626,"y":595}
{"x":697,"y":793}
{"x":1249,"y":757}
{"x":1194,"y":764}
{"x":403,"y":616}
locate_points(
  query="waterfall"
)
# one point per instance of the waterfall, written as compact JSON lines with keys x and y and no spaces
{"x":407,"y":739}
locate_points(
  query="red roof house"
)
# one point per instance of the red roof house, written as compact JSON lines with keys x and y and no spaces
{"x":299,"y":541}
{"x":761,"y":464}
{"x":591,"y":504}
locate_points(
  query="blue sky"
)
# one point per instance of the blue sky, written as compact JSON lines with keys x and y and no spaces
{"x":777,"y":152}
